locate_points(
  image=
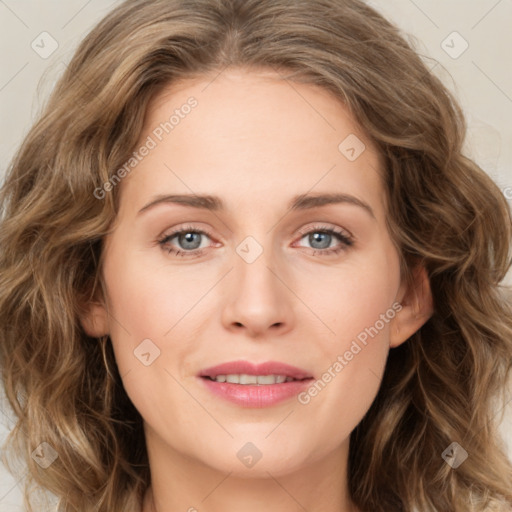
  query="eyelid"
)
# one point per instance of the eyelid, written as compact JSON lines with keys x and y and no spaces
{"x":302,"y":231}
{"x":325,"y":227}
{"x":184,"y":228}
{"x":345,"y":238}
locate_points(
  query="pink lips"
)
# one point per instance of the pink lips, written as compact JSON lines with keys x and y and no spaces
{"x":253,"y":395}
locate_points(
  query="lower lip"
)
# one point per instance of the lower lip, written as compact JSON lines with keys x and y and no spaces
{"x":248,"y":395}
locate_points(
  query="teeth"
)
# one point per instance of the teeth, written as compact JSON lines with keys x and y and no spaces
{"x":253,"y":379}
{"x":247,"y":379}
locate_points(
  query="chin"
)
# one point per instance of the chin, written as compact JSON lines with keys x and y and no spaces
{"x":247,"y":462}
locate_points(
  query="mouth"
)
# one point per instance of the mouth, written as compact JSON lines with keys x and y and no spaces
{"x":259,"y":380}
{"x":250,"y":385}
{"x":244,"y":372}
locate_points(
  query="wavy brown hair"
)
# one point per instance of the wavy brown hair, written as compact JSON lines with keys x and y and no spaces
{"x":444,"y":385}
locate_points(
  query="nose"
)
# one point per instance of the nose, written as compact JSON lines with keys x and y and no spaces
{"x":258,"y":300}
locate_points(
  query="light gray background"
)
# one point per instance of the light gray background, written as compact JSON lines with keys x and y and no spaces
{"x":481,"y":77}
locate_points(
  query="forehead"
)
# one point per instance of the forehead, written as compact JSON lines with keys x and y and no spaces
{"x":255,"y":136}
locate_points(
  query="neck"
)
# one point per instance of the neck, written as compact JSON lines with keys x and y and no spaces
{"x":149,"y":505}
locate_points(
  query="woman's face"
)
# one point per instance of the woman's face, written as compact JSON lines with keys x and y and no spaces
{"x":263,"y":273}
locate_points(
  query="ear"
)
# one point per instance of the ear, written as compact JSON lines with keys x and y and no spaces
{"x":94,"y":317}
{"x":95,"y":320}
{"x":417,"y":307}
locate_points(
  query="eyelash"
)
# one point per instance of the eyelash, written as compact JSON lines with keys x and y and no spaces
{"x":346,"y":240}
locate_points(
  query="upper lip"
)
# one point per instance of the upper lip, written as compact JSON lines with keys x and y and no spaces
{"x":248,"y":368}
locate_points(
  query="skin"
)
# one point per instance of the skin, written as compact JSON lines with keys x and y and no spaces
{"x":256,"y":141}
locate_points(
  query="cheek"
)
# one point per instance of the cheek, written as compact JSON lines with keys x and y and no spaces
{"x":148,"y":300}
{"x":366,"y":304}
{"x":359,"y":301}
{"x":357,"y":296}
{"x":354,"y":362}
{"x":146,"y":315}
{"x":141,"y":308}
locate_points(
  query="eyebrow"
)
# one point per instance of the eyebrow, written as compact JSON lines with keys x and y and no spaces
{"x":300,"y":202}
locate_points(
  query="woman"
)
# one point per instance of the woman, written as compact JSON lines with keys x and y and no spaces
{"x":245,"y":263}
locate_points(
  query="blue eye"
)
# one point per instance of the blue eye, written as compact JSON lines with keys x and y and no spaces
{"x":189,"y":240}
{"x":320,"y":237}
